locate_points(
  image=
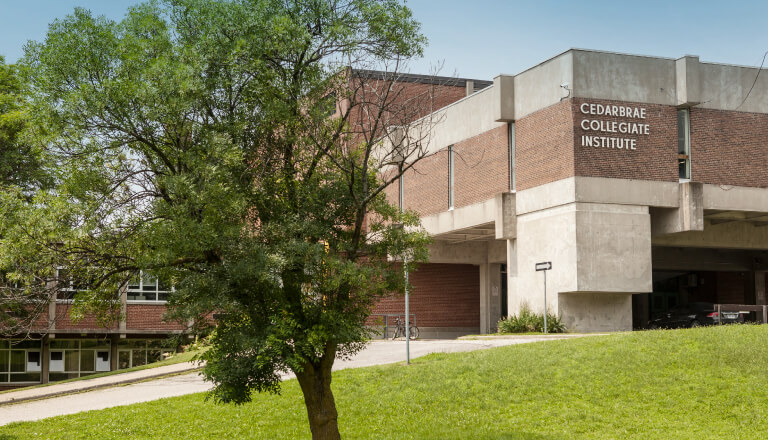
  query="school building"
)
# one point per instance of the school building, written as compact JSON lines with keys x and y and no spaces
{"x":642,"y":180}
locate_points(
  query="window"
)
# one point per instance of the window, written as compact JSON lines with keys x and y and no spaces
{"x":511,"y":142}
{"x":450,"y":177}
{"x":684,"y":143}
{"x":20,"y":361}
{"x":146,"y":287}
{"x":133,"y":353}
{"x":69,"y":285}
{"x":76,"y":358}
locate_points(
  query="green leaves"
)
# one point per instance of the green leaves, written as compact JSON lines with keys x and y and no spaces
{"x":195,"y":140}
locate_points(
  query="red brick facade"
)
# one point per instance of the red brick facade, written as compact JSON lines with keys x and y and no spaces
{"x":544,"y":146}
{"x":481,"y":167}
{"x":729,"y":148}
{"x":444,"y":295}
{"x":426,"y":185}
{"x":148,"y":317}
{"x":481,"y":170}
{"x":655,"y":156}
{"x":89,"y":322}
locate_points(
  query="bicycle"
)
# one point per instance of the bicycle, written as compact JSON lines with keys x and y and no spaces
{"x":413,"y":331}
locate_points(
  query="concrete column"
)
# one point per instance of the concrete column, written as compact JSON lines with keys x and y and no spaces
{"x":469,"y":87}
{"x":45,"y":360}
{"x":494,"y":309}
{"x":600,"y":254}
{"x":113,"y":352}
{"x":760,"y":296}
{"x":490,"y":296}
{"x":484,"y":299}
{"x":513,"y":301}
{"x":123,"y":308}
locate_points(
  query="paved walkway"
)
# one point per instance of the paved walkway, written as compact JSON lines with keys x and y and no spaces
{"x":91,"y":394}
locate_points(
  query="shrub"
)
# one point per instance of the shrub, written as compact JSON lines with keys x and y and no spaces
{"x":528,"y":321}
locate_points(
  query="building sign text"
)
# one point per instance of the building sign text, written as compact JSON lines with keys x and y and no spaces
{"x":606,"y":131}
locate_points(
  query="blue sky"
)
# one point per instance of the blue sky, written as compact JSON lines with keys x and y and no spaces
{"x":483,"y":38}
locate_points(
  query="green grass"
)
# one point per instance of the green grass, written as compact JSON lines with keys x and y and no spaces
{"x":663,"y":384}
{"x":178,"y":358}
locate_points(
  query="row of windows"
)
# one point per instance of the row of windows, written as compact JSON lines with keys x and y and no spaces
{"x":143,"y":287}
{"x":21,"y":361}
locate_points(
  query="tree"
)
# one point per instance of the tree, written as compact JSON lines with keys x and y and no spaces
{"x":236,"y":148}
{"x":20,"y":161}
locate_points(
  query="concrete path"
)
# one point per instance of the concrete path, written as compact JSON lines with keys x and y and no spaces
{"x":75,"y":396}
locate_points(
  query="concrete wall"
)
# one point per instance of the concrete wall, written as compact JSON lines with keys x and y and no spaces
{"x":596,"y":312}
{"x":734,"y":235}
{"x":613,"y":247}
{"x":620,"y":77}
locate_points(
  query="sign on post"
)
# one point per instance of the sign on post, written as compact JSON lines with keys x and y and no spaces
{"x":544,"y":266}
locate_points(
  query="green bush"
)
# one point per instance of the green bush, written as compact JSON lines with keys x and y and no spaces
{"x":528,"y":322}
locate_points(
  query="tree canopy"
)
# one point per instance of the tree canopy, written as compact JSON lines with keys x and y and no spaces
{"x":233,"y":148}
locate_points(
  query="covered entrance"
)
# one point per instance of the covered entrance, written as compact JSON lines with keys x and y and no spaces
{"x":683,"y":276}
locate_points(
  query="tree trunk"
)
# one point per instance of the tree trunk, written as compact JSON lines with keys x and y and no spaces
{"x":315,"y":383}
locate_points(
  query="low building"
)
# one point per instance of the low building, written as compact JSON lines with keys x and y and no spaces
{"x":59,"y":347}
{"x":643,"y":180}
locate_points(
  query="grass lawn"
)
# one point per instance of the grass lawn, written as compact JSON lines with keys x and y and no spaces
{"x":663,"y":384}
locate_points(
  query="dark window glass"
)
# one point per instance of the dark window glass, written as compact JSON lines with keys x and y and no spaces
{"x":4,"y":358}
{"x":33,"y":357}
{"x":681,"y":132}
{"x":139,"y":357}
{"x":18,"y":361}
{"x":87,"y":360}
{"x":71,"y":360}
{"x":25,"y":377}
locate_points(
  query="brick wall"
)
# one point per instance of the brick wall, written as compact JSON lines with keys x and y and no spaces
{"x":655,"y":156}
{"x":89,"y":322}
{"x":426,"y":184}
{"x":729,"y":148}
{"x":544,"y":146}
{"x":443,"y":295}
{"x":481,"y":167}
{"x":148,"y":317}
{"x":481,"y":170}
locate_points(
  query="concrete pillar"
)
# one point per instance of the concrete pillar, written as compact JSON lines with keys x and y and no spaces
{"x":596,"y":311}
{"x":469,"y":87}
{"x":114,"y":339}
{"x":595,"y":249}
{"x":513,"y":301}
{"x":123,"y":308}
{"x":490,"y":299}
{"x":760,"y":296}
{"x":484,"y":299}
{"x":503,"y":98}
{"x":687,"y":81}
{"x":45,"y":360}
{"x":688,"y":217}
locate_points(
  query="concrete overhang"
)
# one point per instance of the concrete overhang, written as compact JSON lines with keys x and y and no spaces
{"x":487,"y":220}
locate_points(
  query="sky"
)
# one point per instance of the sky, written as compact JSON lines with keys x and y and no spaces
{"x":484,"y":38}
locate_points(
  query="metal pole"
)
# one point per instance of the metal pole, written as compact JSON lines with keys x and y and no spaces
{"x":545,"y":302}
{"x":407,"y":316}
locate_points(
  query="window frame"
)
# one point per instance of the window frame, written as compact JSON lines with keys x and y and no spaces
{"x":684,"y":156}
